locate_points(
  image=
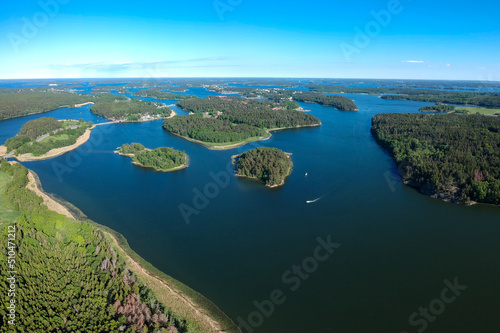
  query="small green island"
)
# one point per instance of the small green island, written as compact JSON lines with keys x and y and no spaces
{"x":47,"y":137}
{"x":220,"y":122}
{"x":158,"y":94}
{"x":163,"y":159}
{"x":270,"y":165}
{"x":132,"y":110}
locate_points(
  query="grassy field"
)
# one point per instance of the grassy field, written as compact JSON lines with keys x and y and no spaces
{"x":7,"y":213}
{"x":479,"y":110}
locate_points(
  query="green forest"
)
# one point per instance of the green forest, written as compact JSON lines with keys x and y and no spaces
{"x":160,"y":159}
{"x":156,"y":93}
{"x":341,"y":103}
{"x":211,"y":130}
{"x":21,"y":102}
{"x":58,"y":134}
{"x":489,"y":100}
{"x":270,"y":165}
{"x":438,"y":108}
{"x":68,"y":276}
{"x":451,"y":156}
{"x":129,"y":110}
{"x":262,"y":114}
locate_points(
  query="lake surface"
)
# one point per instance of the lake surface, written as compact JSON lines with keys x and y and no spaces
{"x":397,"y":246}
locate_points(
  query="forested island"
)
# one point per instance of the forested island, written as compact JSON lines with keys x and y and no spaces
{"x":341,"y":103}
{"x":22,"y":102}
{"x":222,"y":121}
{"x":452,"y":157}
{"x":158,"y":94}
{"x":47,"y":137}
{"x":270,"y":165}
{"x":163,"y":159}
{"x":70,"y":277}
{"x":130,"y":110}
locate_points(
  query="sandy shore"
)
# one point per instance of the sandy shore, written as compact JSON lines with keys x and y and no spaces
{"x":57,"y":151}
{"x":48,"y":201}
{"x":166,"y":293}
{"x":80,"y":105}
{"x":3,"y":150}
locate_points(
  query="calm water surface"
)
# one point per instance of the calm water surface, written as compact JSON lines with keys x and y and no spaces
{"x":396,"y":246}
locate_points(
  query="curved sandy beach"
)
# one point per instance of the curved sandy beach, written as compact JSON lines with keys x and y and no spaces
{"x":166,"y":293}
{"x":3,"y":150}
{"x":57,"y":151}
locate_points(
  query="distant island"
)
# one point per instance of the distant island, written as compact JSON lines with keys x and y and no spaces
{"x":220,"y":122}
{"x":162,"y":159}
{"x":452,"y":157}
{"x":132,"y":110}
{"x":158,"y":94}
{"x":45,"y":138}
{"x":341,"y":103}
{"x":270,"y":165}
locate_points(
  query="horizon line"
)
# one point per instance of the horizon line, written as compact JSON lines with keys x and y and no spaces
{"x":242,"y":77}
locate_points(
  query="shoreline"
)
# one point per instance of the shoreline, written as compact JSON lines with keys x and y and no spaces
{"x":242,"y":143}
{"x":169,"y":291}
{"x":180,"y":167}
{"x":56,"y":151}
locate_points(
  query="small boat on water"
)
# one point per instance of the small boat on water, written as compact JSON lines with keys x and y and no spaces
{"x":311,"y":201}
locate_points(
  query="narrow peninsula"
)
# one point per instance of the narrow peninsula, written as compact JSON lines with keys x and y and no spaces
{"x":163,"y":159}
{"x":87,"y":277}
{"x":44,"y":138}
{"x":269,"y":165}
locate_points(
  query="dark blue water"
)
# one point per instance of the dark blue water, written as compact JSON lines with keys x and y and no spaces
{"x":396,"y":245}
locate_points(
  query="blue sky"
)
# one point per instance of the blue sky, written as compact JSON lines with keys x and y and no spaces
{"x":416,"y":39}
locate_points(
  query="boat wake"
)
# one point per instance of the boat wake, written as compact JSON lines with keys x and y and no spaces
{"x":311,"y":201}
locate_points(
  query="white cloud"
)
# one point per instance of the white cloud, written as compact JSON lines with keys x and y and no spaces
{"x":413,"y":61}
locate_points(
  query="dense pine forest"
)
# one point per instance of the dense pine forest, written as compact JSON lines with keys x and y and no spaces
{"x":129,"y":110}
{"x":438,"y":108}
{"x":21,"y":102}
{"x":68,"y":276}
{"x":160,"y":159}
{"x":57,"y":134}
{"x":452,"y":156}
{"x":211,"y":130}
{"x":158,"y":94}
{"x":270,"y":165}
{"x":488,"y":100}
